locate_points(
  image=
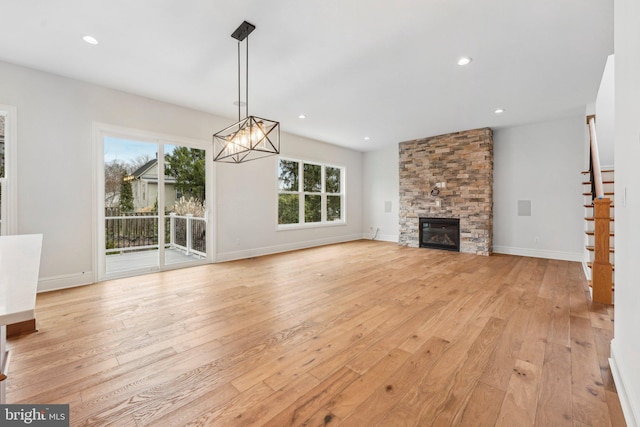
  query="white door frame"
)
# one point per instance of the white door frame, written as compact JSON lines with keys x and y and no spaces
{"x":102,"y":130}
{"x":9,"y":223}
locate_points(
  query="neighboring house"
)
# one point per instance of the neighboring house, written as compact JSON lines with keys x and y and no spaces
{"x":144,"y":185}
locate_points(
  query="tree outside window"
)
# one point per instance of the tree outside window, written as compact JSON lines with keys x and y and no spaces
{"x":187,"y":166}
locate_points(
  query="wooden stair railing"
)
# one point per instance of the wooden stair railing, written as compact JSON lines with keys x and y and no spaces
{"x":595,"y":159}
{"x":602,"y":270}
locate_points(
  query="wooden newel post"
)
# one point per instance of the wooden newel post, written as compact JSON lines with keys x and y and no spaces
{"x":602,"y":280}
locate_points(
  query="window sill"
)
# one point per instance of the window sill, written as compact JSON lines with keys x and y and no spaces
{"x":287,"y":227}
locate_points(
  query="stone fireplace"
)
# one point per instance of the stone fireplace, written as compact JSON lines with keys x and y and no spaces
{"x":449,"y":177}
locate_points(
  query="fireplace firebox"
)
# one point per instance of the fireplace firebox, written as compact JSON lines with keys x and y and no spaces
{"x":440,"y":233}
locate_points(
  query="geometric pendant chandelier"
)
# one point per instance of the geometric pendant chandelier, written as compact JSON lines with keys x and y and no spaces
{"x":252,"y":137}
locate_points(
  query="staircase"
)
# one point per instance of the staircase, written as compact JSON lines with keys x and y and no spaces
{"x":600,"y":222}
{"x":608,"y":183}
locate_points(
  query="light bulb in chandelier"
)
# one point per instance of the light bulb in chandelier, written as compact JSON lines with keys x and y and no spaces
{"x":257,"y":135}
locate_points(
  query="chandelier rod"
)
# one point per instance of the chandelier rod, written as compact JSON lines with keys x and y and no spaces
{"x":246,"y":84}
{"x":239,"y":106}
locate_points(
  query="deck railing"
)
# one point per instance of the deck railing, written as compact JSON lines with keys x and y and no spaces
{"x":188,"y":233}
{"x":138,"y":231}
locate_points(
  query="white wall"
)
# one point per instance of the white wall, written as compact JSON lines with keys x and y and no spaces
{"x":247,"y":203}
{"x":381,"y":188}
{"x":55,"y":171}
{"x":625,"y":348}
{"x":523,"y":170}
{"x":542,"y":163}
{"x":605,"y":107}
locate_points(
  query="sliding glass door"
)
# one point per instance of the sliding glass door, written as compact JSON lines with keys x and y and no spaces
{"x":154,"y":212}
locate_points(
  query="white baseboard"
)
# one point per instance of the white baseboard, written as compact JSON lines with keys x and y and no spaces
{"x":53,"y":283}
{"x":539,"y":253}
{"x":268,"y":250}
{"x":629,"y":402}
{"x":382,"y":237}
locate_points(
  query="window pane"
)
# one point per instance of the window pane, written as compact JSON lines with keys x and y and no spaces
{"x":131,"y":221}
{"x":185,"y":203}
{"x":312,"y":178}
{"x":288,"y":176}
{"x":332,"y":178}
{"x":312,"y":208}
{"x":334,"y":211}
{"x":288,"y":212}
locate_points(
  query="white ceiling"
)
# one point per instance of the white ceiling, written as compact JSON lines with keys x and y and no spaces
{"x":356,"y":68}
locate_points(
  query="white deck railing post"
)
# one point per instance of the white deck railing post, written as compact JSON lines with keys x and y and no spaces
{"x":172,"y":229}
{"x":189,"y":237}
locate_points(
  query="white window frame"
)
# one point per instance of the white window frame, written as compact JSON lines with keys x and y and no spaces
{"x":9,"y":182}
{"x":323,"y":194}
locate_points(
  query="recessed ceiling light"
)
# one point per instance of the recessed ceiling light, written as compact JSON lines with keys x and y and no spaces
{"x":366,"y":138}
{"x":464,"y":61}
{"x":499,"y":110}
{"x":90,"y":39}
{"x":302,"y":116}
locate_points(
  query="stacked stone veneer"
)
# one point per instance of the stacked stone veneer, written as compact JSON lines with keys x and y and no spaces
{"x":464,"y":162}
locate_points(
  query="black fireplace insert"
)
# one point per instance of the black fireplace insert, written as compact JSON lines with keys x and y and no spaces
{"x":440,"y":233}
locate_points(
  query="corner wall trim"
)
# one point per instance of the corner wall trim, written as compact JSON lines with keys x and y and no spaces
{"x":630,"y":404}
{"x":538,"y":253}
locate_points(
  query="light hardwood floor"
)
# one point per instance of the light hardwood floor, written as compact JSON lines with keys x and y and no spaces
{"x":357,"y":334}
